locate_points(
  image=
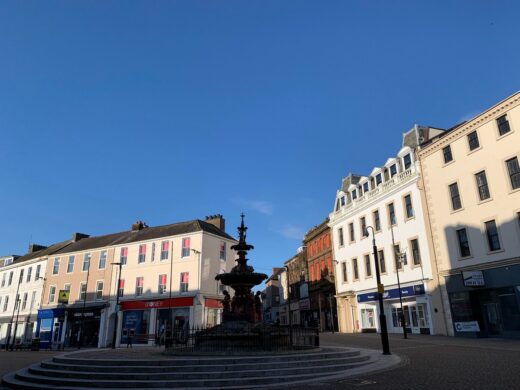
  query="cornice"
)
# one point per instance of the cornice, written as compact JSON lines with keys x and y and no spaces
{"x":336,"y":219}
{"x":481,"y":266}
{"x":486,"y":116}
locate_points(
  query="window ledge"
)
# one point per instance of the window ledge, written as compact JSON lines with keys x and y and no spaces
{"x":512,"y":191}
{"x":409,"y":219}
{"x":448,"y":163}
{"x":485,"y":200}
{"x":494,"y":252}
{"x":457,"y":211}
{"x":466,"y":257}
{"x":474,"y":150}
{"x":505,"y":135}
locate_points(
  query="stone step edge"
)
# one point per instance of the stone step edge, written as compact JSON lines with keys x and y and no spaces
{"x":382,"y":363}
{"x":77,"y":383}
{"x":245,"y":359}
{"x":185,"y":367}
{"x":208,"y":374}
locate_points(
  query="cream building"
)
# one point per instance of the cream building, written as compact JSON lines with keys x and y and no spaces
{"x":472,"y":180}
{"x":166,"y":270}
{"x":389,"y":200}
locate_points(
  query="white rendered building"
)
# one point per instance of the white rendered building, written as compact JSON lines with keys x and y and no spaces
{"x":391,"y":202}
{"x":21,"y":286}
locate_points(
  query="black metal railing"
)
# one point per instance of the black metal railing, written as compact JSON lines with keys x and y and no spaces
{"x":243,"y":338}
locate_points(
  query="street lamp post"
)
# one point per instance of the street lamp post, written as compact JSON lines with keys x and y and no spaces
{"x":116,"y":319}
{"x":81,"y":330}
{"x":289,"y":305}
{"x":199,"y":281}
{"x":14,"y":311}
{"x":399,"y":258}
{"x":17,"y":304}
{"x":380,"y":290}
{"x":168,"y":336}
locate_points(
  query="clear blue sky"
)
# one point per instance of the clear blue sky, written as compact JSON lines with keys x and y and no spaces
{"x":172,"y":110}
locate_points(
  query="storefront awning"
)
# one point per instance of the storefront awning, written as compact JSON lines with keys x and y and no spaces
{"x":158,"y":303}
{"x":89,"y":306}
{"x":393,"y":293}
{"x":51,"y":313}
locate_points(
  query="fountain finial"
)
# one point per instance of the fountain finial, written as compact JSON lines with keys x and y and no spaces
{"x":242,"y":229}
{"x":242,"y":244}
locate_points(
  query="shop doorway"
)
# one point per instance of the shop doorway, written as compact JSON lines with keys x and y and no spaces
{"x":415,"y":318}
{"x":492,"y":318}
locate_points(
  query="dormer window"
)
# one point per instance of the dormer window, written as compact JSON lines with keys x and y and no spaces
{"x":365,"y":187}
{"x":354,"y":194}
{"x":337,"y":205}
{"x":393,"y":170}
{"x":407,"y":161}
{"x":342,"y":201}
{"x":379,"y":179}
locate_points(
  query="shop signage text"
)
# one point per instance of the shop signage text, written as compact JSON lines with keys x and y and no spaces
{"x":305,"y":304}
{"x":162,"y":303}
{"x":473,"y":278}
{"x":468,"y":326}
{"x":393,"y":293}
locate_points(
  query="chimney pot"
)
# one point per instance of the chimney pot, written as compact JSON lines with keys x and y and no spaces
{"x":217,"y":220}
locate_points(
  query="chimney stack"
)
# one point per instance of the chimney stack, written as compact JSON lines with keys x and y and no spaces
{"x":139,"y":225}
{"x":78,"y":236}
{"x":217,"y":220}
{"x":35,"y":248}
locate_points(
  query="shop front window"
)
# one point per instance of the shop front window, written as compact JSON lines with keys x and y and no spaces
{"x":135,"y":325}
{"x":510,"y":308}
{"x":396,"y":314}
{"x":422,"y":317}
{"x":461,"y":307}
{"x":367,"y":318}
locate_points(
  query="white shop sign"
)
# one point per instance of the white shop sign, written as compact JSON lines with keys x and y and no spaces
{"x":473,"y":278}
{"x":468,"y":326}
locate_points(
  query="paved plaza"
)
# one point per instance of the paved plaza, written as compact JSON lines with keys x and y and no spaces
{"x":427,"y":362}
{"x":434,"y":362}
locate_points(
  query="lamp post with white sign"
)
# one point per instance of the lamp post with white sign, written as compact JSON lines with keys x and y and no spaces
{"x":116,"y":314}
{"x":380,"y":291}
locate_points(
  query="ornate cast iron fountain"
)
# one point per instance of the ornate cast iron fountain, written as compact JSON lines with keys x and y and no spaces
{"x":242,"y":279}
{"x":242,"y":330}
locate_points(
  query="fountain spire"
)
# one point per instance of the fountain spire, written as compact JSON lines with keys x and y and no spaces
{"x":242,"y":279}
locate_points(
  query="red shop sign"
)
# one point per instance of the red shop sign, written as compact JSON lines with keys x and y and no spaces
{"x":213,"y":303}
{"x":159,"y":303}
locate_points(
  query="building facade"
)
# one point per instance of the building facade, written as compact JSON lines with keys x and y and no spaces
{"x":294,"y":308}
{"x":472,"y":180}
{"x":167,"y":277}
{"x":389,"y":203}
{"x":271,"y":298}
{"x":322,"y":289}
{"x":21,"y":288}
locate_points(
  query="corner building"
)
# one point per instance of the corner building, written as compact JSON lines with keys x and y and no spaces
{"x":472,"y":180}
{"x":389,"y":200}
{"x":166,"y":270}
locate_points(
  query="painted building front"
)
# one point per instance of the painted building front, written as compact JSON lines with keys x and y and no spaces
{"x":388,"y":204}
{"x":471,"y":178}
{"x":21,"y":288}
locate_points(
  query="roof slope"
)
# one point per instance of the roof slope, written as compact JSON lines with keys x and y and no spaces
{"x":43,"y":252}
{"x":147,"y":233}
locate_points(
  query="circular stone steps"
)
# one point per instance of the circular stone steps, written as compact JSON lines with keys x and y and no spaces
{"x":70,"y":371}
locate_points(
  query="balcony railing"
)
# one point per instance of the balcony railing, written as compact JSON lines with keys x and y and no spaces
{"x":378,"y":192}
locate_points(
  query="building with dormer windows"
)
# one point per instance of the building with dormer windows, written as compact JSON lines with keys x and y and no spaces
{"x":390,"y":201}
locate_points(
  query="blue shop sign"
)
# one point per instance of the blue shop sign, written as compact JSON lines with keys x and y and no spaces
{"x":393,"y":293}
{"x":51,"y":313}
